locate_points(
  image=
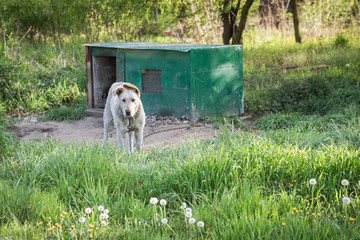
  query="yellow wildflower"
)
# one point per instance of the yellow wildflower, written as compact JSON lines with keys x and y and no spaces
{"x":51,"y":228}
{"x":39,"y":224}
{"x":307,"y":213}
{"x":91,"y":236}
{"x":65,"y":213}
{"x":91,"y":226}
{"x":62,"y":216}
{"x":283,"y":224}
{"x":351,"y":219}
{"x":89,"y":230}
{"x":73,"y":226}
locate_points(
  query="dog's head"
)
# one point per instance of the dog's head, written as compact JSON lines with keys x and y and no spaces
{"x":129,"y":99}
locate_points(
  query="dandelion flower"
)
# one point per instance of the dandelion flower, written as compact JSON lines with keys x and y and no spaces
{"x":91,"y":226}
{"x":312,"y":181}
{"x":104,"y":223}
{"x":89,"y":230}
{"x":188,"y":210}
{"x":106,"y":211}
{"x":163,"y":202}
{"x":346,"y":200}
{"x":188,"y":214}
{"x":104,"y":216}
{"x":164,"y":221}
{"x":351,"y":219}
{"x":192,"y":220}
{"x":283,"y":224}
{"x":101,"y":208}
{"x":90,"y":236}
{"x":65,"y":213}
{"x":73,"y":226}
{"x":82,"y":219}
{"x":344,"y":182}
{"x":183,"y":205}
{"x":39,"y":224}
{"x":201,"y":224}
{"x":154,"y":200}
{"x":51,"y":228}
{"x":88,"y":210}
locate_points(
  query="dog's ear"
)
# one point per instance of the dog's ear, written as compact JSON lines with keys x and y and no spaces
{"x":118,"y":91}
{"x":132,"y":87}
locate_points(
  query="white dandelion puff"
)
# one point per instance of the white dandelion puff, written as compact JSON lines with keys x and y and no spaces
{"x":188,"y":214}
{"x":188,"y":210}
{"x":312,"y":181}
{"x":346,"y":200}
{"x":163,"y":202}
{"x":104,"y":223}
{"x":192,"y":220}
{"x":154,"y":200}
{"x":103,"y":216}
{"x":82,"y":219}
{"x":164,"y":221}
{"x":88,"y":210}
{"x":101,"y":208}
{"x":344,"y":182}
{"x":201,"y":224}
{"x":106,"y":211}
{"x":347,"y":65}
{"x":183,"y":205}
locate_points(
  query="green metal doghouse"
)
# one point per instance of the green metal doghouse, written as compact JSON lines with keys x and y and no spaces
{"x":174,"y":79}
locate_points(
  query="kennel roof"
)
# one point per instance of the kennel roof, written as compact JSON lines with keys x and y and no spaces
{"x":183,"y":47}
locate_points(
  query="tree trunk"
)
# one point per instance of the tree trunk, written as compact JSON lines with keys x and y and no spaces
{"x":226,"y":19}
{"x":229,"y":20}
{"x":296,"y":21}
{"x":239,"y":29}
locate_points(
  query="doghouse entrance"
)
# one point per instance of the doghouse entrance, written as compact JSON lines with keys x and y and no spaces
{"x":104,"y":75}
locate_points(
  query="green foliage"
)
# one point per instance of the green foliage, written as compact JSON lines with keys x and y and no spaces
{"x":341,"y":41}
{"x":63,"y":113}
{"x":34,"y":78}
{"x":268,"y":87}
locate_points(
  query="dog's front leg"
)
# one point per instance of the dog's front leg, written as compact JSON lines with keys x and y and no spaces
{"x":121,"y":138}
{"x":130,"y":141}
{"x":139,"y":136}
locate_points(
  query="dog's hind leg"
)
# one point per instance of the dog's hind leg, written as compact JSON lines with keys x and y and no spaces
{"x":108,"y":121}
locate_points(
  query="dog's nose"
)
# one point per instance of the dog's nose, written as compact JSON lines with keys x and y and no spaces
{"x":127,"y":112}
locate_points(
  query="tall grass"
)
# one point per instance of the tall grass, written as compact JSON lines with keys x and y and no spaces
{"x":236,"y":183}
{"x":35,"y":78}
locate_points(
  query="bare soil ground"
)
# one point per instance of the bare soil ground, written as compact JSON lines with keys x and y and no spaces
{"x":158,"y":130}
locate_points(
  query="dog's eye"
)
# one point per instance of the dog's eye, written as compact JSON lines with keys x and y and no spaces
{"x":133,"y":100}
{"x":123,"y":100}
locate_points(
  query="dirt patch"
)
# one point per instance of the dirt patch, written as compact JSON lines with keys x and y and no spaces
{"x":158,"y":130}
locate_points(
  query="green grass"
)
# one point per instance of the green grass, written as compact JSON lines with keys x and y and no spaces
{"x":236,"y":183}
{"x":252,"y":184}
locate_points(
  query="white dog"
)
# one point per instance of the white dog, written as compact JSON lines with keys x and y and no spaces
{"x":125,"y":109}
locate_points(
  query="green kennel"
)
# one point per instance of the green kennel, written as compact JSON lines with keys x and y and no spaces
{"x":174,"y":79}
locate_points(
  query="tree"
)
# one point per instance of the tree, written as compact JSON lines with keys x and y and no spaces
{"x":296,"y":21}
{"x":234,"y":28}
